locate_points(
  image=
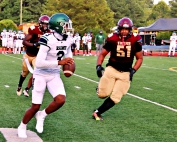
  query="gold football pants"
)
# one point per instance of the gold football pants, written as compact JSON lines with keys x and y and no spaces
{"x":114,"y":83}
{"x":31,"y":60}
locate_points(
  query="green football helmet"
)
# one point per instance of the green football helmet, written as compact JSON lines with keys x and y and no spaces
{"x":59,"y":22}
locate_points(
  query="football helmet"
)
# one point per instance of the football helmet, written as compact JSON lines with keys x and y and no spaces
{"x":59,"y":23}
{"x":4,"y":30}
{"x":10,"y":30}
{"x":125,"y":23}
{"x":174,"y":34}
{"x":43,"y":23}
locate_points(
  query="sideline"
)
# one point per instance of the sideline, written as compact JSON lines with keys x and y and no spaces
{"x":133,"y":95}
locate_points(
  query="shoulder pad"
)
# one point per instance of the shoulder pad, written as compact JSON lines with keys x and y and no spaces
{"x":32,"y":27}
{"x":110,"y":35}
{"x":43,"y":40}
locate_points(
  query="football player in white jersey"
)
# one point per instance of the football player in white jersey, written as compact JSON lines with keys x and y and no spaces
{"x":19,"y":41}
{"x":4,"y":41}
{"x":89,"y":43}
{"x":77,"y":40}
{"x":10,"y":40}
{"x":173,"y":40}
{"x":53,"y":47}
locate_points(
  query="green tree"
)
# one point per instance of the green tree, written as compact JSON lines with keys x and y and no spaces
{"x":127,"y":8}
{"x":7,"y":24}
{"x":173,"y":11}
{"x":160,"y":10}
{"x":85,"y":15}
{"x":10,"y":9}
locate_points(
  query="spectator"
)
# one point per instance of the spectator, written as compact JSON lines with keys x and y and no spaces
{"x":99,"y":41}
{"x":84,"y":45}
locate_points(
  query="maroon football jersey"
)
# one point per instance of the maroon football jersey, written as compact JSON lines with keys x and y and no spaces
{"x":36,"y":34}
{"x":122,"y":51}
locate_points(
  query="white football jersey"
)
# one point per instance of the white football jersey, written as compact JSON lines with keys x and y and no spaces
{"x":77,"y":38}
{"x":53,"y":47}
{"x":4,"y":35}
{"x":10,"y":36}
{"x":173,"y":39}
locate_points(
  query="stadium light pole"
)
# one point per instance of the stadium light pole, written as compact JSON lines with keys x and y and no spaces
{"x":21,"y":12}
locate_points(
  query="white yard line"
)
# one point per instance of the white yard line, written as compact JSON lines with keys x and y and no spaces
{"x":140,"y":98}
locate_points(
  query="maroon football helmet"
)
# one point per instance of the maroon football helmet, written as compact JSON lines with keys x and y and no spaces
{"x":43,"y":23}
{"x":126,"y":23}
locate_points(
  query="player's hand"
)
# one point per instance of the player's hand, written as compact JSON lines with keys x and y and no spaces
{"x":99,"y":70}
{"x":132,"y":71}
{"x":36,"y":44}
{"x":66,"y":61}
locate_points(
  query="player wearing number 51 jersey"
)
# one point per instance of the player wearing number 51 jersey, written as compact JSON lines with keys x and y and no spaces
{"x":53,"y":47}
{"x":123,"y":46}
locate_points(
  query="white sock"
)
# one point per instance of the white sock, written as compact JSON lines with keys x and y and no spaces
{"x":43,"y":113}
{"x":22,"y":125}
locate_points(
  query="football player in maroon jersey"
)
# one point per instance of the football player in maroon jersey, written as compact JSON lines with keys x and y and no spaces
{"x":32,"y":47}
{"x":123,"y":46}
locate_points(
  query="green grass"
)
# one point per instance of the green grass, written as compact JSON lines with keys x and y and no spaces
{"x":132,"y":120}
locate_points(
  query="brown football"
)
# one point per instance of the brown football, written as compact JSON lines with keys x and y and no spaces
{"x":68,"y":70}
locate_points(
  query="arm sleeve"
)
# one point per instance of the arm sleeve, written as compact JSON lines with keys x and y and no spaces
{"x":41,"y":61}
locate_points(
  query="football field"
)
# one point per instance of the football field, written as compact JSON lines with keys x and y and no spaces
{"x":147,"y":113}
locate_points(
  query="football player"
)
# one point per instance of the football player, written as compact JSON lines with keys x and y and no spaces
{"x":173,"y":40}
{"x":89,"y":43}
{"x":4,"y":40}
{"x":19,"y":40}
{"x":123,"y":46}
{"x":53,"y":47}
{"x":32,"y":47}
{"x":10,"y":41}
{"x":77,"y":40}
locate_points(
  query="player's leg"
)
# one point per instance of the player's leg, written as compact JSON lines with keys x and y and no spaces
{"x":169,"y":52}
{"x":84,"y":48}
{"x":37,"y":97}
{"x":3,"y":46}
{"x":56,"y":89}
{"x":26,"y":91}
{"x":174,"y":46}
{"x":96,"y":52}
{"x":23,"y":75}
{"x":77,"y":47}
{"x":105,"y":88}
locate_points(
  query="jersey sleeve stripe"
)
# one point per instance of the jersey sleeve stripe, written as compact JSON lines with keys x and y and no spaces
{"x":45,"y":38}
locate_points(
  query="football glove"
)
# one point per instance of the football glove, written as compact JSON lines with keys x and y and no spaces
{"x":99,"y":70}
{"x":132,"y":71}
{"x":36,"y":44}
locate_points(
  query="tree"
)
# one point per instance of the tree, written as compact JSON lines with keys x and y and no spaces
{"x":160,"y":10}
{"x":85,"y":15}
{"x":10,"y":9}
{"x":7,"y":24}
{"x":173,"y":12}
{"x":127,"y":8}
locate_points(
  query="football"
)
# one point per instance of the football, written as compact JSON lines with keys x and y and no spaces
{"x":68,"y":70}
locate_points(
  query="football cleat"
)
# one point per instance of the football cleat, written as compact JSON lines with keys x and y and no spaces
{"x":96,"y":116}
{"x":40,"y":122}
{"x":19,"y":91}
{"x":25,"y":93}
{"x":22,"y":132}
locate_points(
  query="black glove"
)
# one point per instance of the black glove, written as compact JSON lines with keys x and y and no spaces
{"x":99,"y":70}
{"x":132,"y":71}
{"x":36,"y":44}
